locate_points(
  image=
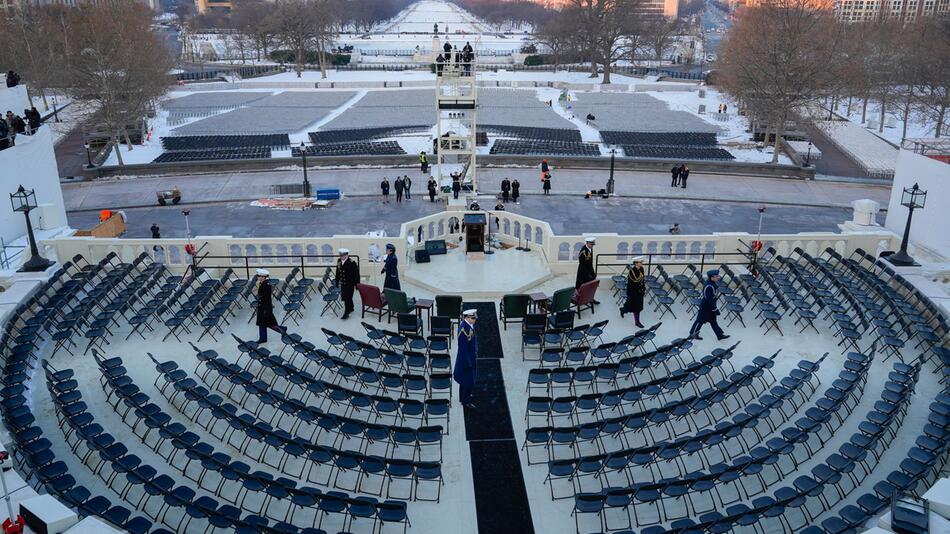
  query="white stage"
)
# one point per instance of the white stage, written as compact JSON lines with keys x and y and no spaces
{"x":491,"y":275}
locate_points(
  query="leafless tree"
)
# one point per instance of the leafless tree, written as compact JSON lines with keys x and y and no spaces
{"x":253,"y":19}
{"x":658,"y":32}
{"x":117,"y":65}
{"x":609,"y":28}
{"x":561,"y":34}
{"x":934,"y":88}
{"x":305,"y":26}
{"x":782,"y":55}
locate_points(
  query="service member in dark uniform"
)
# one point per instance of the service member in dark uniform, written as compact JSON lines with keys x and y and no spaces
{"x":431,"y":187}
{"x":347,"y":276}
{"x":464,"y":370}
{"x":708,"y":309}
{"x":636,"y":287}
{"x":390,"y":268}
{"x":585,"y":263}
{"x":265,"y":307}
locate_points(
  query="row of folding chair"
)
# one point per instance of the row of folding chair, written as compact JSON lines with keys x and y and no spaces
{"x":433,"y":356}
{"x":540,"y":331}
{"x":332,"y":398}
{"x":265,"y":497}
{"x":221,"y":419}
{"x":387,"y":350}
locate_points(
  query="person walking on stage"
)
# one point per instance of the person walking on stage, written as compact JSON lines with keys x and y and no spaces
{"x":384,"y":186}
{"x":456,"y":185}
{"x":398,"y":186}
{"x":515,"y":190}
{"x":431,"y":187}
{"x":390,"y":268}
{"x":675,"y":172}
{"x":636,"y":287}
{"x":347,"y":276}
{"x":464,"y":371}
{"x":505,"y":189}
{"x":708,"y":308}
{"x":265,"y":307}
{"x":585,"y":263}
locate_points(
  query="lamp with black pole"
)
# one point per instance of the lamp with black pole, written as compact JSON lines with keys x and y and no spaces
{"x":913,"y":198}
{"x":525,"y":248}
{"x":25,"y":200}
{"x":306,"y":179}
{"x":488,"y":249}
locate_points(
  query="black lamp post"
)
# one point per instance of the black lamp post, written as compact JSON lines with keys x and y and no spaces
{"x":808,"y":155}
{"x":88,"y":157}
{"x":913,"y":198}
{"x":25,"y":200}
{"x":610,"y":181}
{"x":306,"y":180}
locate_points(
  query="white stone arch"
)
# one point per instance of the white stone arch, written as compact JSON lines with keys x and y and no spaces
{"x":623,"y":250}
{"x":680,"y":249}
{"x":431,"y":230}
{"x":506,"y":226}
{"x":577,"y":250}
{"x":538,"y":235}
{"x":234,"y":251}
{"x":327,"y":250}
{"x":527,"y":233}
{"x":564,"y":252}
{"x":517,"y":232}
{"x":441,"y":227}
{"x":312,"y":251}
{"x":652,"y":248}
{"x":267,"y":253}
{"x":667,"y":249}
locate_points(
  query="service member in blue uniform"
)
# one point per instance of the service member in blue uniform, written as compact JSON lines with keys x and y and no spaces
{"x":464,"y":373}
{"x":708,"y":308}
{"x":347,"y":276}
{"x":390,"y":268}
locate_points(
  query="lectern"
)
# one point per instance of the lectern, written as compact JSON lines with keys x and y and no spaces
{"x":474,"y":224}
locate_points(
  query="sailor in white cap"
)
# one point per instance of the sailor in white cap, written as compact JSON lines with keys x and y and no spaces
{"x":636,"y":287}
{"x":585,"y":264}
{"x":265,"y":307}
{"x":464,"y":372}
{"x":347,"y":276}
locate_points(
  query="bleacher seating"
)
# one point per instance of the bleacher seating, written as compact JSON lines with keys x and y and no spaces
{"x":356,"y":148}
{"x":676,"y":152}
{"x":543,"y":148}
{"x":214,"y":154}
{"x":336,"y":137}
{"x":561,"y":135}
{"x":613,"y":137}
{"x":205,"y":142}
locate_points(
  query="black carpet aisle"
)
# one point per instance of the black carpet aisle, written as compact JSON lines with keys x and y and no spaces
{"x":501,"y":502}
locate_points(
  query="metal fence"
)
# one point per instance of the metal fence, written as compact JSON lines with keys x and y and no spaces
{"x":700,"y":260}
{"x":275,"y":261}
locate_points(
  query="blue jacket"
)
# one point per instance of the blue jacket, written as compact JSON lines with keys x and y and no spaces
{"x":392,"y":273}
{"x":708,"y":308}
{"x":464,"y":372}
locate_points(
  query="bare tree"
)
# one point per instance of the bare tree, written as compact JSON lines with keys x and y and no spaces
{"x":658,"y":32}
{"x":297,"y":24}
{"x":609,"y":26}
{"x":117,"y":65}
{"x":253,"y":19}
{"x":561,"y":34}
{"x":782,"y":55}
{"x":934,"y":89}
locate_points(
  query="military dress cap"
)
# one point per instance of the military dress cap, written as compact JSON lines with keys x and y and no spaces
{"x":344,"y":251}
{"x":263,"y":272}
{"x":390,"y":246}
{"x":712,"y":272}
{"x":590,"y":239}
{"x":470,"y":313}
{"x":636,"y":259}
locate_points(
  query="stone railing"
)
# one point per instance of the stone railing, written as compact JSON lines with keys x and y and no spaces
{"x":613,"y":251}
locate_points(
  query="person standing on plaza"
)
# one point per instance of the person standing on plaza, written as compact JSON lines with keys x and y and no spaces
{"x":684,"y":175}
{"x":585,"y":263}
{"x":424,"y":161}
{"x":546,"y":179}
{"x":390,"y":269}
{"x":515,"y":190}
{"x":456,"y":184}
{"x":675,"y":172}
{"x":464,"y":372}
{"x":398,"y":186}
{"x":708,"y":308}
{"x":407,"y":185}
{"x":431,"y":187}
{"x":636,"y":287}
{"x":384,"y":186}
{"x":347,"y":276}
{"x":505,"y":189}
{"x":156,"y":231}
{"x":265,"y":307}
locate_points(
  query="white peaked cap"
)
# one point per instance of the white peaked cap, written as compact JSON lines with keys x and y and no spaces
{"x":263,"y":272}
{"x":590,"y":239}
{"x":471,"y":313}
{"x":636,"y":259}
{"x":344,"y":251}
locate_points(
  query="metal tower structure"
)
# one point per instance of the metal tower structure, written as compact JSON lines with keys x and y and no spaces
{"x":456,"y":100}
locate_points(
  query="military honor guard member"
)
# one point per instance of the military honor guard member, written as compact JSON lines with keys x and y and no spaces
{"x":265,"y":307}
{"x":347,"y":276}
{"x":464,"y":372}
{"x":636,"y":287}
{"x":708,"y":308}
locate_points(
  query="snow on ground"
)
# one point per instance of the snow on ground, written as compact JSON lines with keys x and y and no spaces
{"x":893,"y":124}
{"x":68,"y":115}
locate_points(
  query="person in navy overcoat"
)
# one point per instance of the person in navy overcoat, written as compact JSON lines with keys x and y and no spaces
{"x":464,"y":373}
{"x":708,"y":308}
{"x":390,"y":269}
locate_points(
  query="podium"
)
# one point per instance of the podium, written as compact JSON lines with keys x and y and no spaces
{"x":474,"y":224}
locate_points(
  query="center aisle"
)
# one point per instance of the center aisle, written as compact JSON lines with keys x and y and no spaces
{"x":501,"y":501}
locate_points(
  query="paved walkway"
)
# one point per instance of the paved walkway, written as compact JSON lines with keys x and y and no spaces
{"x":566,"y":214}
{"x":140,"y":191}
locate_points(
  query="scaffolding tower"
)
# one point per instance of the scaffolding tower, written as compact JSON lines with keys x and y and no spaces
{"x":456,"y":99}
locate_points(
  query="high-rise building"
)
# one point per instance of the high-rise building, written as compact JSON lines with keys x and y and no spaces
{"x":660,"y":8}
{"x":904,"y":10}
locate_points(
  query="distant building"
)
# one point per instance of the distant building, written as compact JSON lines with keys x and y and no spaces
{"x":660,"y":8}
{"x":904,"y":10}
{"x":204,"y":5}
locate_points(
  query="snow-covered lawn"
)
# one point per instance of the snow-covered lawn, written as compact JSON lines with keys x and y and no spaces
{"x":918,"y":126}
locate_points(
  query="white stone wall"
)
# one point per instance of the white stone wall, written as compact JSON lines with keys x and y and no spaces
{"x":13,"y":99}
{"x":930,"y":225}
{"x":31,"y":163}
